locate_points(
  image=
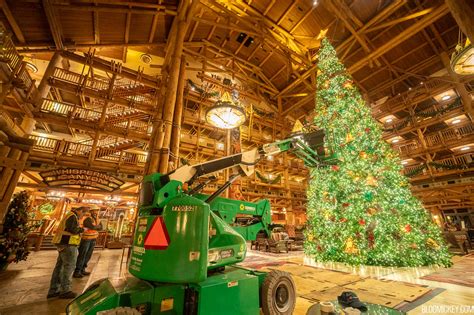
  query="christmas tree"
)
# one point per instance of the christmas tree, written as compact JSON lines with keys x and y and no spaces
{"x":14,"y":239}
{"x":361,"y":209}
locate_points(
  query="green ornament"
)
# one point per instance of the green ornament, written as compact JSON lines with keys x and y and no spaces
{"x":369,"y":196}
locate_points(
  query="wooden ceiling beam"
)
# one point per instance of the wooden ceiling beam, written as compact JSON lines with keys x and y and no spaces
{"x":382,"y":16}
{"x":54,"y":24}
{"x":297,"y":81}
{"x":398,"y":21}
{"x":341,"y":11}
{"x":11,"y":20}
{"x":157,"y":10}
{"x":196,"y":24}
{"x":407,"y":33}
{"x":96,"y":28}
{"x":286,"y":12}
{"x":303,"y":18}
{"x":298,"y":104}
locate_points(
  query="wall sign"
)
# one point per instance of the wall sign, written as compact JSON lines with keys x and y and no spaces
{"x":73,"y":177}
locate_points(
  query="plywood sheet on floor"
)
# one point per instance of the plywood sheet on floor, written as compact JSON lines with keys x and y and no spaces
{"x":316,"y":284}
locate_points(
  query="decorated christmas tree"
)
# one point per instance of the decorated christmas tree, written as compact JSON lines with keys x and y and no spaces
{"x":361,"y":209}
{"x":14,"y":239}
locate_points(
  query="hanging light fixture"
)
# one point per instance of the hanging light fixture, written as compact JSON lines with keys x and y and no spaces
{"x":225,"y":113}
{"x":462,"y":60}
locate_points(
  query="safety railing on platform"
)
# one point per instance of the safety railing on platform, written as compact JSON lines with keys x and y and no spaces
{"x":8,"y":51}
{"x":69,"y":148}
{"x":407,"y":96}
{"x":101,"y":85}
{"x":69,"y":110}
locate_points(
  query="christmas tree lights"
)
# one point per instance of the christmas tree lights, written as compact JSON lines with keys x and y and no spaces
{"x":361,"y":210}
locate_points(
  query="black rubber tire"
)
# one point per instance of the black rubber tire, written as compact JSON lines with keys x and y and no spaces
{"x":278,"y":293}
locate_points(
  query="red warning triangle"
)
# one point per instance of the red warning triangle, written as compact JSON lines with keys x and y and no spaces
{"x":157,"y":236}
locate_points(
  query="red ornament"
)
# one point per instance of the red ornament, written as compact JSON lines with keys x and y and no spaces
{"x":346,"y":204}
{"x":335,"y":168}
{"x":343,"y":220}
{"x":408,"y":228}
{"x":362,"y":222}
{"x":367,"y":130}
{"x":320,"y":248}
{"x":371,"y":239}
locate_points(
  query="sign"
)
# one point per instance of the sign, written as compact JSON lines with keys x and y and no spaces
{"x":70,"y":177}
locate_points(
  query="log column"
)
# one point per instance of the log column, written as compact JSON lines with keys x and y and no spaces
{"x":14,"y":152}
{"x":178,"y":115}
{"x":160,"y":144}
{"x":44,"y":87}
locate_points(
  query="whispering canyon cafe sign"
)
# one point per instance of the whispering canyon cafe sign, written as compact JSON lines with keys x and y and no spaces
{"x":73,"y":177}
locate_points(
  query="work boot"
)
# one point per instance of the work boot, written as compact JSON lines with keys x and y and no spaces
{"x":52,"y":295}
{"x":77,"y":275}
{"x":85,"y":273}
{"x":67,"y":295}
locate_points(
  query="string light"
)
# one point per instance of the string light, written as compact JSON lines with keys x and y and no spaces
{"x":361,"y":210}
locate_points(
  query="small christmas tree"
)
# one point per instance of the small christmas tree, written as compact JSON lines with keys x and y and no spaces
{"x":14,"y":239}
{"x":361,"y":210}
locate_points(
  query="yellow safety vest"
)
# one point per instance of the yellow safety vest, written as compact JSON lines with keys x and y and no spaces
{"x":74,"y":239}
{"x":88,"y":233}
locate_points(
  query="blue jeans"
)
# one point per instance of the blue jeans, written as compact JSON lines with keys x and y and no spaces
{"x":86,"y":248}
{"x":62,"y":274}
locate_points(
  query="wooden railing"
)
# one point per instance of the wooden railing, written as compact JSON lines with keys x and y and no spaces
{"x":407,"y":97}
{"x":69,"y":148}
{"x":15,"y":64}
{"x":455,"y":162}
{"x":73,"y":111}
{"x":69,"y":110}
{"x":442,"y":137}
{"x":101,"y":85}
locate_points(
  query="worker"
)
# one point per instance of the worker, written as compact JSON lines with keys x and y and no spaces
{"x":92,"y":226}
{"x":66,"y":239}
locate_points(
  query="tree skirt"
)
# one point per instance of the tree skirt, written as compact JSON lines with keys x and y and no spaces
{"x":461,"y":273}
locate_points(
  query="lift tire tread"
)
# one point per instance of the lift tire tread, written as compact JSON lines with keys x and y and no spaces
{"x":268,"y":292}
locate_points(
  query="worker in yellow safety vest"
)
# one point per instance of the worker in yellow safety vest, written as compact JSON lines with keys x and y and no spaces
{"x":67,"y":240}
{"x":92,"y":226}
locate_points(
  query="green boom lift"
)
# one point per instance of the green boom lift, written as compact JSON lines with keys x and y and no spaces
{"x":185,"y":251}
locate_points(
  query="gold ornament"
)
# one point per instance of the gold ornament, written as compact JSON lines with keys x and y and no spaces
{"x":362,"y":155}
{"x":347,"y":84}
{"x":349,"y":138}
{"x":371,"y":211}
{"x":371,"y":181}
{"x":351,"y":248}
{"x":432,"y":243}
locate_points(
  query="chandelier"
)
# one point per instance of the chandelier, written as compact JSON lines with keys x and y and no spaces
{"x":462,"y":60}
{"x":225,"y":113}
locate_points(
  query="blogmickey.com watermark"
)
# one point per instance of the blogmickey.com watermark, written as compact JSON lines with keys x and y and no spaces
{"x":447,"y":309}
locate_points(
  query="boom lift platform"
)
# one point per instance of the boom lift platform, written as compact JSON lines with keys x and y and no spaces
{"x":186,"y":245}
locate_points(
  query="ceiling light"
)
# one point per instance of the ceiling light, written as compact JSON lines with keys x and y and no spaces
{"x":315,"y":2}
{"x":146,"y":59}
{"x":404,"y":162}
{"x":395,"y":140}
{"x":456,"y":121}
{"x":226,"y":114}
{"x":465,"y":148}
{"x":31,"y":67}
{"x":389,"y":120}
{"x":446,"y":97}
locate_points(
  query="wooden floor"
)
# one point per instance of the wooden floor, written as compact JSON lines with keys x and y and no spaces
{"x":24,"y":285}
